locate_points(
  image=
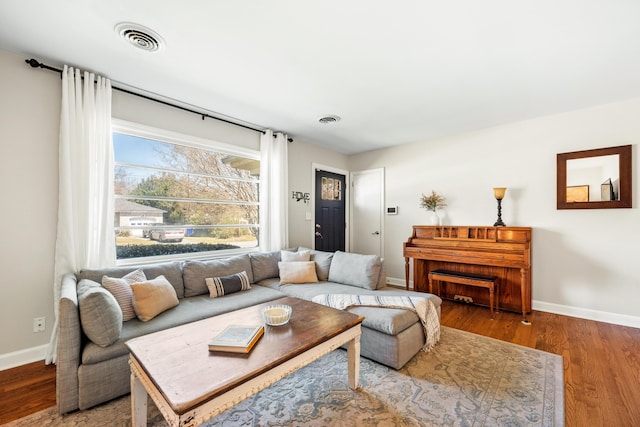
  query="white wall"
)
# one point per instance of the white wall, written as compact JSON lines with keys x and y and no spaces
{"x":29,"y":116}
{"x":301,"y":158}
{"x":585,"y":262}
{"x":139,"y":110}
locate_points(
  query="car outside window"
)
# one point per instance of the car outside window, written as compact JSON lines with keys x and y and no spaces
{"x":180,"y":196}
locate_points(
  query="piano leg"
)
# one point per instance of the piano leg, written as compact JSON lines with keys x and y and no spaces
{"x":406,"y":273}
{"x":523,"y":289}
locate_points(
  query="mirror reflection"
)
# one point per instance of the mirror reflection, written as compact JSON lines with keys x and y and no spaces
{"x":593,"y":179}
{"x":600,"y":178}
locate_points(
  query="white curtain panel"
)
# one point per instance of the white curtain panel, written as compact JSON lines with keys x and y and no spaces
{"x":85,"y":235}
{"x":274,"y":187}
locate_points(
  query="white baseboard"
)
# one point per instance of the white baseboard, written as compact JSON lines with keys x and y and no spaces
{"x":585,"y":313}
{"x":22,"y":357}
{"x":399,"y":283}
{"x":565,"y":310}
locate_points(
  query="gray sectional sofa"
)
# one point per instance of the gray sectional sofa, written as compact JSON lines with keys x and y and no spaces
{"x":90,"y":373}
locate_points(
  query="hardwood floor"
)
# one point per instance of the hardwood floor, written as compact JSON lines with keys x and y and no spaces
{"x":601,"y":361}
{"x":601,"y":365}
{"x":26,"y":389}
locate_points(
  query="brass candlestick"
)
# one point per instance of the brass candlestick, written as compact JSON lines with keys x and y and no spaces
{"x":499,"y":193}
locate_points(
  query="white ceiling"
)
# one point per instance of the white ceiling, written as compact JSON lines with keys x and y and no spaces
{"x":395,"y":71}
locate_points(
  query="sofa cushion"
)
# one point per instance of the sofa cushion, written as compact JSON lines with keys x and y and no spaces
{"x":385,"y":320}
{"x":152,"y":297}
{"x":323,"y":262}
{"x":382,"y":278}
{"x":100,"y":314}
{"x":355,"y":269}
{"x":288,"y":256}
{"x":189,"y":310}
{"x":171,"y":270}
{"x":297,"y":272}
{"x":225,"y":285}
{"x":195,"y":273}
{"x":121,"y":290}
{"x":264,"y":265}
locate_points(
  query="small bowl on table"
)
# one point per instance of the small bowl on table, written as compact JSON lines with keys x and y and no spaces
{"x":277,"y":315}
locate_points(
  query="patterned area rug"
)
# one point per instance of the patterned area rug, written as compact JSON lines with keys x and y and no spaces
{"x":466,"y":380}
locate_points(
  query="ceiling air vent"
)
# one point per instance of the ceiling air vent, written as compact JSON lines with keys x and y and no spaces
{"x":140,"y":37}
{"x":329,"y":119}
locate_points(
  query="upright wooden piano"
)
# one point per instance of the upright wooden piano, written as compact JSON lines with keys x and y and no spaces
{"x":504,"y":252}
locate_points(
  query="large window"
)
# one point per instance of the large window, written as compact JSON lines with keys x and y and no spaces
{"x":177,"y":195}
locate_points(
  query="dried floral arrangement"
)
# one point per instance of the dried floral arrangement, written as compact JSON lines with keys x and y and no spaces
{"x":433,"y":201}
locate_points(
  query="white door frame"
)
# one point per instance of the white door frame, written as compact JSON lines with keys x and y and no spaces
{"x":347,"y":202}
{"x":380,"y":171}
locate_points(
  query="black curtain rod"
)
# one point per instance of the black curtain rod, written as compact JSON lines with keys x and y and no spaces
{"x":37,"y":64}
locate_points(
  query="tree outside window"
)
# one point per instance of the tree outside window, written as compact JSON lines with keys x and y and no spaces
{"x":175,"y":198}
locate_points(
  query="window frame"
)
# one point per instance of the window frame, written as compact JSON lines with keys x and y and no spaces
{"x":186,"y":140}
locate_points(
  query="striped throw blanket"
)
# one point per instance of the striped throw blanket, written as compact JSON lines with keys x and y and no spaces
{"x":423,"y":307}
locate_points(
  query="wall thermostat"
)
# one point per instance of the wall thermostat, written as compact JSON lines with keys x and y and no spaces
{"x":392,"y":210}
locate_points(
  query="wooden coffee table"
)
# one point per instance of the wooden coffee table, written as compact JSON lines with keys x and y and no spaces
{"x":189,"y":384}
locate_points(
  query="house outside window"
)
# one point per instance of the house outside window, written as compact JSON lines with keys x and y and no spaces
{"x":178,"y":196}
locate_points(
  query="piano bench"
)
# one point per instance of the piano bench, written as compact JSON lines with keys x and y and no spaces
{"x":470,"y":279}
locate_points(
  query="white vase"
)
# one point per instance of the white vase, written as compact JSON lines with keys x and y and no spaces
{"x":435,"y":218}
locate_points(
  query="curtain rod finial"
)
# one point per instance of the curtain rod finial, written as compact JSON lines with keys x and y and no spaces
{"x":34,"y":63}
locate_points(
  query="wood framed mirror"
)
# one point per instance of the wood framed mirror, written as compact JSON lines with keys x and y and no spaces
{"x":595,"y":179}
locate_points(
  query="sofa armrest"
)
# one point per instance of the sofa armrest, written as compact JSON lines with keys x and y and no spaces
{"x":68,"y":346}
{"x":382,"y":278}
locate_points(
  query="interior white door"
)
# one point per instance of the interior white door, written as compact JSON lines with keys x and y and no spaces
{"x":367,"y":206}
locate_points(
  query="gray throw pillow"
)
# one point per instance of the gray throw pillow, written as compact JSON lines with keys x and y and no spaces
{"x":353,"y":269}
{"x":323,"y":262}
{"x":264,"y":265}
{"x":100,"y":314}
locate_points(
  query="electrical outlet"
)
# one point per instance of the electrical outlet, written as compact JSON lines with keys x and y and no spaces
{"x":39,"y":324}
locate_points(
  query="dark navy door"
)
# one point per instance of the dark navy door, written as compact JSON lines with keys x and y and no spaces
{"x":330,"y":211}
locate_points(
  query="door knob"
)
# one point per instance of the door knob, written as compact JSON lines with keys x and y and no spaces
{"x":375,"y":233}
{"x":317,"y":225}
{"x":319,"y":235}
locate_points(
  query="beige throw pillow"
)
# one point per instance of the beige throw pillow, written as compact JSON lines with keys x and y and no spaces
{"x":121,"y":290}
{"x":297,"y":272}
{"x":153,"y":297}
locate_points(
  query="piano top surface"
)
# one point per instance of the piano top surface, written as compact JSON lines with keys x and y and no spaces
{"x":499,"y":246}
